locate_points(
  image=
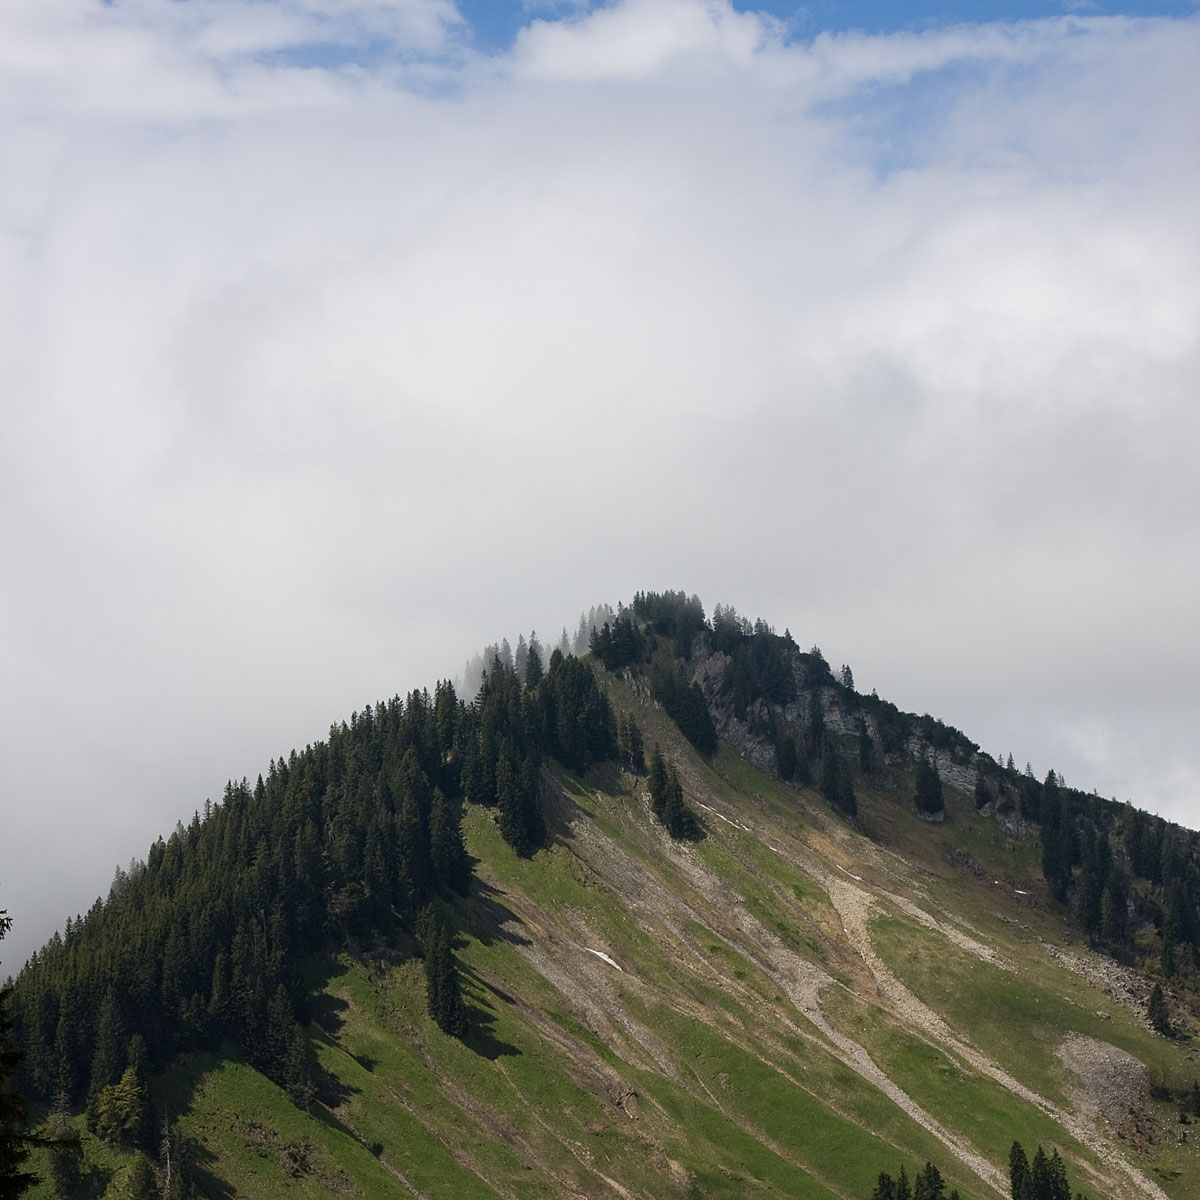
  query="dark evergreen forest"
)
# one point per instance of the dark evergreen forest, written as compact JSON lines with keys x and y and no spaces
{"x":356,"y":837}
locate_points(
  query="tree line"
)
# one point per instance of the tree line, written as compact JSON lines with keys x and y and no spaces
{"x":1045,"y":1178}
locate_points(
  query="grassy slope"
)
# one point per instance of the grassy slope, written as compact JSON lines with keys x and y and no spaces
{"x":737,"y":1048}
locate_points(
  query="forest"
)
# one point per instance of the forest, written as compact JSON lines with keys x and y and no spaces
{"x":356,"y":837}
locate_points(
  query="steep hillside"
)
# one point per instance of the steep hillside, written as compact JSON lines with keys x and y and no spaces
{"x":788,"y":1005}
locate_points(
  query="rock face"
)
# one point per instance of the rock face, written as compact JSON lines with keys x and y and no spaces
{"x":846,"y":715}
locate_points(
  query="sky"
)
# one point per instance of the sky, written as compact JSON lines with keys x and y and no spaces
{"x":339,"y":338}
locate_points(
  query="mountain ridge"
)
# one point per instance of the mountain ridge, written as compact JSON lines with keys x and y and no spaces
{"x":670,"y":1002}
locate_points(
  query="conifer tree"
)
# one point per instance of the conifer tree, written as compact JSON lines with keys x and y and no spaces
{"x":657,"y":781}
{"x":66,"y":1150}
{"x":533,"y":663}
{"x":121,"y":1110}
{"x":630,"y":748}
{"x":1048,"y":1177}
{"x":785,"y":756}
{"x":885,"y":1187}
{"x":14,"y":1144}
{"x":1158,"y":1012}
{"x":442,"y":993}
{"x":111,"y":1043}
{"x":836,"y":784}
{"x":929,"y":1185}
{"x":928,"y":794}
{"x":521,"y":823}
{"x":447,"y":850}
{"x":1020,"y":1181}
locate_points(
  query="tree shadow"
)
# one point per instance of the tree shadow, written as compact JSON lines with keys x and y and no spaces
{"x":324,"y":1009}
{"x":480,"y":1017}
{"x":561,"y":805}
{"x":488,"y":920}
{"x":329,"y":1089}
{"x":204,"y":1179}
{"x":91,"y":1180}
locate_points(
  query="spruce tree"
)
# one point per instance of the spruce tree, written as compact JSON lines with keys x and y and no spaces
{"x":928,"y":794}
{"x":885,"y":1187}
{"x":14,"y":1144}
{"x":66,"y":1150}
{"x":447,"y":850}
{"x":442,"y":993}
{"x":1158,"y":1012}
{"x":929,"y":1184}
{"x":658,"y":782}
{"x":533,"y":663}
{"x":1020,"y":1181}
{"x":111,"y":1041}
{"x":785,"y":756}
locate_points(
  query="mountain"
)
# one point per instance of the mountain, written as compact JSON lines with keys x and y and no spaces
{"x":690,"y":917}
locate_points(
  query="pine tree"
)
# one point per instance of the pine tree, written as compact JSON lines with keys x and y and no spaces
{"x":442,"y":993}
{"x":111,"y":1041}
{"x":1020,"y":1181}
{"x":630,"y":749}
{"x":885,"y":1187}
{"x":657,"y":782}
{"x":928,"y":794}
{"x":14,"y":1145}
{"x":66,"y":1150}
{"x":297,"y":1070}
{"x":1048,"y":1177}
{"x":929,"y":1184}
{"x":517,"y":793}
{"x":1158,"y":1012}
{"x":121,"y":1109}
{"x":533,"y":663}
{"x":447,"y":850}
{"x":785,"y":757}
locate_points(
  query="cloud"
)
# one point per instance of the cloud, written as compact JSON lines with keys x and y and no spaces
{"x":641,"y":38}
{"x":327,"y":369}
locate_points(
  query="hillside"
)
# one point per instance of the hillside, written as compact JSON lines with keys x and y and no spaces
{"x":804,"y":996}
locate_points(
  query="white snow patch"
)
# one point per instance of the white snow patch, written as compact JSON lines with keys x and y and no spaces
{"x":851,"y":874}
{"x":601,"y":954}
{"x":735,"y":824}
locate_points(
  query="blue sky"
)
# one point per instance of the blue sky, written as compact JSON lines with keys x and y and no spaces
{"x":496,"y":22}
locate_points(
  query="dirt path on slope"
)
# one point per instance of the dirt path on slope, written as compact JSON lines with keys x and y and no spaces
{"x":855,"y":905}
{"x":802,"y":981}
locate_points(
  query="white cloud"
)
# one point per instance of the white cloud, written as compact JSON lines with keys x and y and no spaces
{"x":320,"y":378}
{"x":641,"y":38}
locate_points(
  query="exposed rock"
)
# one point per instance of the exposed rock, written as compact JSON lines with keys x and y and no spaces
{"x":1113,"y":1085}
{"x":963,"y":860}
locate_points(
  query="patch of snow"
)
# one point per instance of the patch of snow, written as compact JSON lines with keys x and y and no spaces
{"x":601,"y":954}
{"x":735,"y":824}
{"x":852,"y":876}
